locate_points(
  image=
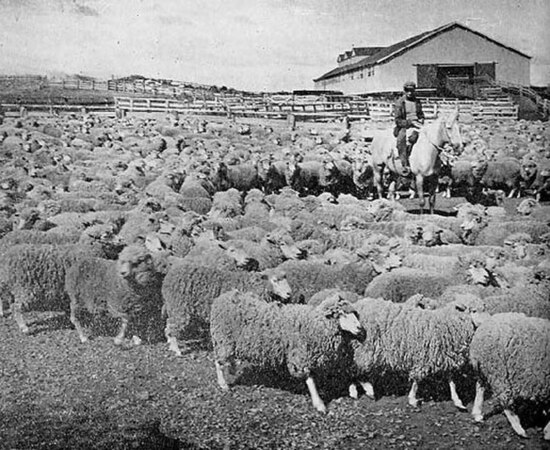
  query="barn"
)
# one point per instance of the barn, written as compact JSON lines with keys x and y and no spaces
{"x":450,"y":59}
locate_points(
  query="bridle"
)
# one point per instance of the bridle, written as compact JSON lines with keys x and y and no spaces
{"x":438,"y":147}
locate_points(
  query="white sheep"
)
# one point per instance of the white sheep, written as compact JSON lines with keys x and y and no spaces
{"x":302,"y":339}
{"x":511,"y":354}
{"x":408,"y":340}
{"x":129,"y":289}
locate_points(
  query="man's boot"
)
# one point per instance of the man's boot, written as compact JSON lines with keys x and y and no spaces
{"x":404,"y":160}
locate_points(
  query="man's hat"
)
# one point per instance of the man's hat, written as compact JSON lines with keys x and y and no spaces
{"x":409,"y":85}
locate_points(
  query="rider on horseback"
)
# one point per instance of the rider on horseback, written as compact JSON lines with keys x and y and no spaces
{"x":408,"y":115}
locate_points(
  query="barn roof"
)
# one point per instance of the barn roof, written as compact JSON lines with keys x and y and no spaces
{"x":387,"y":53}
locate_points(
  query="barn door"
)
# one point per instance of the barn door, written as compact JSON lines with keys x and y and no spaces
{"x":486,"y":70}
{"x":426,"y":75}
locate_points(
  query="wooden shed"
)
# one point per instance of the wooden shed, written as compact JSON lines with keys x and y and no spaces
{"x":448,"y":58}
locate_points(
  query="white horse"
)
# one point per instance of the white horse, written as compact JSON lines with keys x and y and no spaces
{"x":424,"y":160}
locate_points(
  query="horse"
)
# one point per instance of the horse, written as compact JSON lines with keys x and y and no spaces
{"x":424,"y":159}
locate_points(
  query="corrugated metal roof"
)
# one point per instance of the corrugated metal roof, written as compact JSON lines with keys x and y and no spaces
{"x":387,"y":53}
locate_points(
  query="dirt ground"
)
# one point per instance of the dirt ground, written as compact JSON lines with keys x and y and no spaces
{"x":60,"y":394}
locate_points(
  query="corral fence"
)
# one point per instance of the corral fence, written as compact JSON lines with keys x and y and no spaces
{"x":367,"y":109}
{"x":267,"y":108}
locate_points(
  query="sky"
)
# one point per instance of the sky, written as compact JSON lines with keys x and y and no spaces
{"x":257,"y":45}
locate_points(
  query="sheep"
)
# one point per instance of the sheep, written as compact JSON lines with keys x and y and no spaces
{"x":408,"y":340}
{"x":338,"y":177}
{"x":307,"y":341}
{"x":242,"y":177}
{"x":32,"y":274}
{"x":189,"y":291}
{"x":363,"y":178}
{"x":321,"y":296}
{"x":511,"y":354}
{"x":503,"y":174}
{"x":402,"y":283}
{"x":128,"y":289}
{"x":306,"y":277}
{"x":463,"y":177}
{"x":272,"y":175}
{"x":306,"y":178}
{"x":226,"y":204}
{"x":477,"y":231}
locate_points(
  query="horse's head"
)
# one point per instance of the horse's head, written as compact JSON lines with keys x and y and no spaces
{"x":453,"y":131}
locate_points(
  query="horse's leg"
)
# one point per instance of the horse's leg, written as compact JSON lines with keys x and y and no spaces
{"x":420,"y":190}
{"x":432,"y":192}
{"x":378,"y":180}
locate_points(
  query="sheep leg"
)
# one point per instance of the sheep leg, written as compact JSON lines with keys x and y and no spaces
{"x":478,"y":402}
{"x":514,"y":421}
{"x":369,"y":390}
{"x":454,"y":396}
{"x":413,"y":401}
{"x":221,"y":376}
{"x":391,"y":191}
{"x":511,"y":194}
{"x":172,"y":341}
{"x":18,"y":316}
{"x":316,"y":400}
{"x":78,"y":327}
{"x":412,"y":193}
{"x":353,"y":391}
{"x":119,"y":339}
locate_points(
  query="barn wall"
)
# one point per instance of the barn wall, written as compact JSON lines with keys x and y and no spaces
{"x":456,"y":46}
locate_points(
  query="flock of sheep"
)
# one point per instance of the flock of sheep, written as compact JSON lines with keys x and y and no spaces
{"x":268,"y":243}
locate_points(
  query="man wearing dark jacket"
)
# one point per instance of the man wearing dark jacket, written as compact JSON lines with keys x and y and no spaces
{"x":408,"y":114}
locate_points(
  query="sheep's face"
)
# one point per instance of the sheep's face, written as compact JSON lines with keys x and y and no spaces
{"x":279,"y":285}
{"x":138,"y":267}
{"x":335,"y":307}
{"x":350,"y":322}
{"x":470,"y":224}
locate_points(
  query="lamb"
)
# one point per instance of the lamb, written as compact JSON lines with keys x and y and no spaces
{"x":511,"y":354}
{"x":128,"y":289}
{"x":408,"y":340}
{"x":306,"y":341}
{"x":189,"y":291}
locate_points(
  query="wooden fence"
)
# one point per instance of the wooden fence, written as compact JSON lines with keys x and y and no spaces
{"x":366,"y":109}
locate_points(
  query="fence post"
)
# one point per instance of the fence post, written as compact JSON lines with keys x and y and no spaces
{"x":131,"y":104}
{"x":291,"y":121}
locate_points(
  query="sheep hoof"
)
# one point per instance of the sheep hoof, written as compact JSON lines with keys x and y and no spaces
{"x":224,"y":387}
{"x":321,"y":408}
{"x":478,"y":418}
{"x":415,"y":403}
